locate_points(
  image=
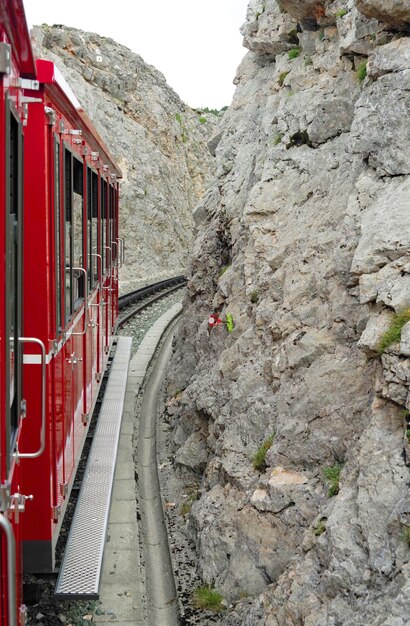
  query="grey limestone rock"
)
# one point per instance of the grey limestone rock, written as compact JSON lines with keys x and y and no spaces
{"x":303,"y":238}
{"x":395,"y":12}
{"x":157,"y":140}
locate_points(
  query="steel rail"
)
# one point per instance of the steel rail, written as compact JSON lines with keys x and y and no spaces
{"x":127,"y":316}
{"x":139,"y":294}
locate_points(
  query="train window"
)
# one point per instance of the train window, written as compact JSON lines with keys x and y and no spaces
{"x":89,"y":229}
{"x":57,"y":214}
{"x":14,"y":263}
{"x":111,"y":224}
{"x":94,"y":224}
{"x":77,"y":230}
{"x":68,"y":185}
{"x":103,"y":224}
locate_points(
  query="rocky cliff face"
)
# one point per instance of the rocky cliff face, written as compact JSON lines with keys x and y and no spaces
{"x":157,"y":140}
{"x":305,"y":241}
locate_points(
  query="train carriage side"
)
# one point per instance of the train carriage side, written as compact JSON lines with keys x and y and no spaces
{"x":70,"y":295}
{"x":17,"y":70}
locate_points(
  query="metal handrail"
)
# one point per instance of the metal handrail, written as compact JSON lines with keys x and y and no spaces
{"x":81,"y":269}
{"x":39,"y":452}
{"x":11,"y":568}
{"x":122,"y":239}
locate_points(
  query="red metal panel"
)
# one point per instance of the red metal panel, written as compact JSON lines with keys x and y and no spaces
{"x":14,"y":24}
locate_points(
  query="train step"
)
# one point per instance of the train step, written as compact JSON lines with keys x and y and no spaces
{"x":80,"y":571}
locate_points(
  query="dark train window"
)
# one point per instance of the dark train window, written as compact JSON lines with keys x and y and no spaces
{"x":77,"y":230}
{"x":94,"y":225}
{"x":68,"y":206}
{"x":14,"y":265}
{"x":57,"y":213}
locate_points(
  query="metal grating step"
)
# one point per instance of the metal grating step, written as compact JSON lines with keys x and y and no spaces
{"x":80,"y":571}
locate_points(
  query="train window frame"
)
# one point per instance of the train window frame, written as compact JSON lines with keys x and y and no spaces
{"x":74,"y":281}
{"x":92,"y":226}
{"x":57,"y":234}
{"x":103,"y":225}
{"x":67,"y":237}
{"x":78,"y":258}
{"x":14,"y":277}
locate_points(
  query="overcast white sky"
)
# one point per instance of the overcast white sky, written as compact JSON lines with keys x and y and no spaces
{"x":197,"y":46}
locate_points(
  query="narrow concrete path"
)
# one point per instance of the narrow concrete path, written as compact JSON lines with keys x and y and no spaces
{"x":162,"y":601}
{"x":122,"y":589}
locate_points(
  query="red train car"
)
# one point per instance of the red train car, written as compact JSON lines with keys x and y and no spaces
{"x":59,"y":299}
{"x":70,"y":297}
{"x":17,"y":71}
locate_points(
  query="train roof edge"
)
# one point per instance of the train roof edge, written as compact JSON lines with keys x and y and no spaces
{"x":13,"y":18}
{"x":50,"y":76}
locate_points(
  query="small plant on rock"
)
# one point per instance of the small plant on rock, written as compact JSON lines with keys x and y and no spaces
{"x":408,"y":435}
{"x":320,"y":527}
{"x":259,"y":459}
{"x":406,"y":535}
{"x":282,"y":77}
{"x":332,"y":475}
{"x":393,"y":333}
{"x":294,"y":53}
{"x":341,"y":13}
{"x":208,"y":598}
{"x":277,"y":140}
{"x":254,"y":296}
{"x":362,"y":71}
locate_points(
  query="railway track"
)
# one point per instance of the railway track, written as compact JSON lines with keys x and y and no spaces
{"x":129,"y":306}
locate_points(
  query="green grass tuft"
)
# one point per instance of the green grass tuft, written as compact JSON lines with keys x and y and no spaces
{"x":393,"y":333}
{"x":282,"y":77}
{"x":320,"y":528}
{"x":202,"y":120}
{"x":294,"y":53}
{"x":332,"y":475}
{"x":406,"y":535}
{"x":362,"y":71}
{"x":341,"y":13}
{"x":208,"y":598}
{"x":258,"y":460}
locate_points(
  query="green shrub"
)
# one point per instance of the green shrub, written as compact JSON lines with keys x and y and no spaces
{"x":208,"y":598}
{"x":258,"y":460}
{"x":202,"y":120}
{"x":341,"y":13}
{"x":393,"y":333}
{"x":178,"y":118}
{"x":294,"y":53}
{"x":362,"y":71}
{"x":332,"y":475}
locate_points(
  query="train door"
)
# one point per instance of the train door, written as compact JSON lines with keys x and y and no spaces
{"x":12,"y":331}
{"x":57,"y":390}
{"x":69,"y":357}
